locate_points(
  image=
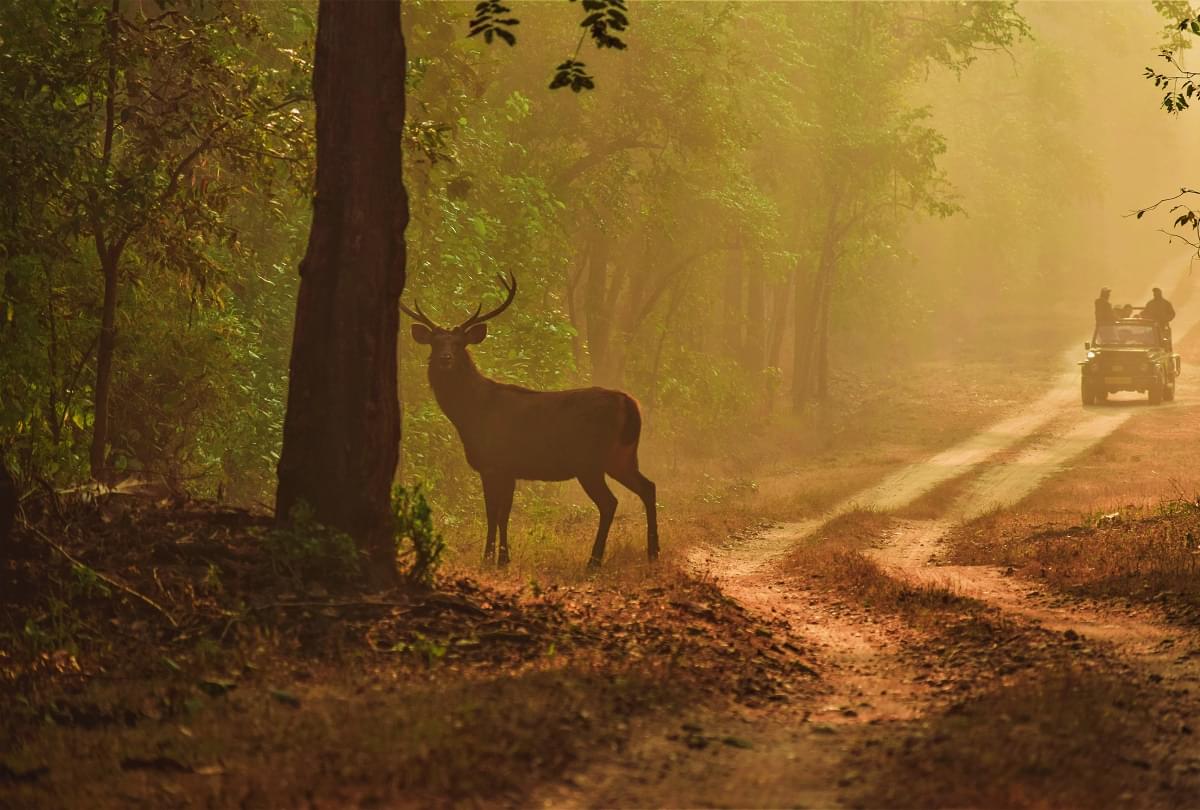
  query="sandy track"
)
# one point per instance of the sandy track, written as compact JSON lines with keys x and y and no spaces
{"x":799,"y":754}
{"x":1050,"y":432}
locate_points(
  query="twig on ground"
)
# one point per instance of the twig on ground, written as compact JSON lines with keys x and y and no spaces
{"x":102,"y":576}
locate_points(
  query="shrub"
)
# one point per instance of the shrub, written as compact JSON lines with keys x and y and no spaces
{"x":415,"y":536}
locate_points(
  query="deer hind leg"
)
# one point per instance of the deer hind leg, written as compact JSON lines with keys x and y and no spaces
{"x":624,"y":469}
{"x":504,"y":493}
{"x":597,"y":489}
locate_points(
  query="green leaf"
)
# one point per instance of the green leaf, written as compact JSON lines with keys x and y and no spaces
{"x":216,"y":687}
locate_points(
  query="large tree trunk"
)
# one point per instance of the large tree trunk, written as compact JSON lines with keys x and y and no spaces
{"x":341,"y":435}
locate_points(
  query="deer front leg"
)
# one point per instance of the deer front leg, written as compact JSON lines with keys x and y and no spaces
{"x":597,"y":489}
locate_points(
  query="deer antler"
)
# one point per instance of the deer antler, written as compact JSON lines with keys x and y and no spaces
{"x":509,"y":285}
{"x":418,"y":316}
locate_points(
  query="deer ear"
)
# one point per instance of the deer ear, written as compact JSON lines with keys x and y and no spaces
{"x":422,"y":334}
{"x":477,"y":333}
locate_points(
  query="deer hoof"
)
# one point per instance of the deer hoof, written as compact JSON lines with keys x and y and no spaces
{"x":503,"y":561}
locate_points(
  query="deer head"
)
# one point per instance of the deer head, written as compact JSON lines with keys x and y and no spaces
{"x":448,"y":347}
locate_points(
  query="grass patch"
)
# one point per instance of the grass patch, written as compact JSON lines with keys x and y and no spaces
{"x":788,"y":467}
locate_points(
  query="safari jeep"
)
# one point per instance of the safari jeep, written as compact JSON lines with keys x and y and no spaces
{"x":1131,"y":354}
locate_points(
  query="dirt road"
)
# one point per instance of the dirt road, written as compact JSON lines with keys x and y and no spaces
{"x":804,"y":756}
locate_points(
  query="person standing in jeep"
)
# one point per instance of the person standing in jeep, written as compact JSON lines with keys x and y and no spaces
{"x":1104,"y":310}
{"x":1159,"y":309}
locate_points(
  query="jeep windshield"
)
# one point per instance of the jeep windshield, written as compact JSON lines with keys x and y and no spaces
{"x":1126,"y":334}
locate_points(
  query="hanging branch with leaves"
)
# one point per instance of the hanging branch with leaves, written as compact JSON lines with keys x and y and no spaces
{"x":602,"y":18}
{"x":1179,"y":86}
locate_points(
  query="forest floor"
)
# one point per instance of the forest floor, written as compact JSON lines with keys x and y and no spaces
{"x":994,"y":602}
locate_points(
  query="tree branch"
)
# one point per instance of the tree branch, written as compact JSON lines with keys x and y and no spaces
{"x":102,"y":576}
{"x":566,"y":176}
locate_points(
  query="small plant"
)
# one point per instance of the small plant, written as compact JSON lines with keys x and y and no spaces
{"x":308,"y":550}
{"x":415,"y":535}
{"x":85,"y":584}
{"x":427,"y":648}
{"x":58,"y":628}
{"x":212,"y":580}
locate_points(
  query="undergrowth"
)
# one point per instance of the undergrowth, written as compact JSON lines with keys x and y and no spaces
{"x":1148,"y":555}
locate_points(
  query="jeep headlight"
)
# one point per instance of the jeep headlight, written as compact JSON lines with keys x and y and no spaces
{"x":1091,"y":355}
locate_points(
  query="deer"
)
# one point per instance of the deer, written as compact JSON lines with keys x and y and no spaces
{"x":511,"y":433}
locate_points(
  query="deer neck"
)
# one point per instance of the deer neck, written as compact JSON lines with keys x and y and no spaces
{"x":459,"y":391}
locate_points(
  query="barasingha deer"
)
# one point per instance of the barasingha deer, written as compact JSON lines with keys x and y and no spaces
{"x":512,"y":433}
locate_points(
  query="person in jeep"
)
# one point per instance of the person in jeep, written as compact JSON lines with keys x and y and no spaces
{"x":1104,"y":310}
{"x":1159,"y":309}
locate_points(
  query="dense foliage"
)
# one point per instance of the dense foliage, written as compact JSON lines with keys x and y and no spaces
{"x":151,"y":172}
{"x":700,"y":228}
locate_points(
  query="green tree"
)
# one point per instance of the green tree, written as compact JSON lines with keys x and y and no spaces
{"x":137,"y":134}
{"x":171,"y":113}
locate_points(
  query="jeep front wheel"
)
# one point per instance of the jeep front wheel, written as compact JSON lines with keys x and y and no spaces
{"x":1088,"y":395}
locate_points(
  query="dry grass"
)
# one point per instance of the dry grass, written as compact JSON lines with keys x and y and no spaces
{"x":832,"y":561}
{"x":853,"y":575}
{"x":379,"y":742}
{"x":1067,"y":738}
{"x":1149,"y":459}
{"x":257,"y":695}
{"x":787,"y":467}
{"x":1122,"y":522}
{"x":1141,"y":554}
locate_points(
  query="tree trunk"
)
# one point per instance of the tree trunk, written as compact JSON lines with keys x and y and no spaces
{"x":341,"y":434}
{"x":599,"y":318}
{"x":803,"y":340}
{"x":105,"y":348}
{"x":8,"y":510}
{"x":810,"y":379}
{"x":731,"y":306}
{"x":109,"y":255}
{"x":779,"y":313}
{"x":756,"y":316}
{"x":821,"y":347}
{"x":573,"y":314}
{"x":811,"y":327}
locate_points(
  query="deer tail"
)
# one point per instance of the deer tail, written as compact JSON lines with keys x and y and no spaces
{"x":631,"y":426}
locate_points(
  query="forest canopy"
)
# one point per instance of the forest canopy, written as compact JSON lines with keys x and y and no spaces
{"x":745,"y":202}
